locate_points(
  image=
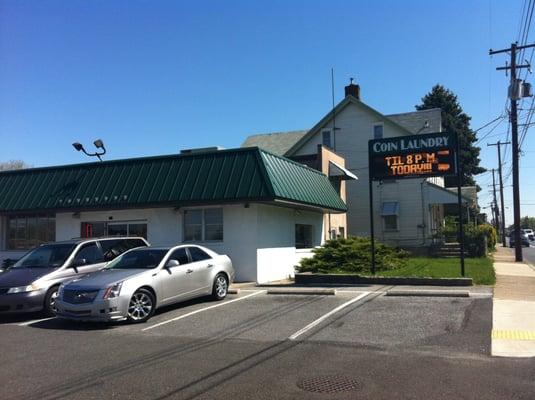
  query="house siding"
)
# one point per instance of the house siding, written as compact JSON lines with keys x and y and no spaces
{"x":354,"y":126}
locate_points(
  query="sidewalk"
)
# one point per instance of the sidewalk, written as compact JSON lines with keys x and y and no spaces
{"x":513,"y":320}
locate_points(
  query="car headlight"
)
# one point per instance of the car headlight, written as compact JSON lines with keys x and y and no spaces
{"x":113,"y":291}
{"x":24,"y":289}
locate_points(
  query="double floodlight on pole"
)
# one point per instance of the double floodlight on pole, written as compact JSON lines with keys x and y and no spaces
{"x":99,"y":144}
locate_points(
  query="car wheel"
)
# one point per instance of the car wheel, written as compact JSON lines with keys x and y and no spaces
{"x":141,"y":306}
{"x":50,"y":301}
{"x":220,"y":288}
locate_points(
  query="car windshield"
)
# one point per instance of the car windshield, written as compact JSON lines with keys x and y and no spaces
{"x":46,"y":256}
{"x":138,"y":259}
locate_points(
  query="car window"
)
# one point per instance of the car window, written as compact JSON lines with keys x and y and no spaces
{"x":135,"y":243}
{"x":115,"y":247}
{"x":144,"y":258}
{"x":197,"y":254}
{"x":91,"y":253}
{"x":180,"y":255}
{"x":46,"y":256}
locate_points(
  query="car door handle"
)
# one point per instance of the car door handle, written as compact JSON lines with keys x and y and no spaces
{"x":189,"y":271}
{"x":209,"y":265}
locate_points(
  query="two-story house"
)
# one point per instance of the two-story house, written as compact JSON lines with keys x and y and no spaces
{"x":407,"y":213}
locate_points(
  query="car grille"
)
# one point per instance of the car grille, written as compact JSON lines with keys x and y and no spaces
{"x":79,"y":296}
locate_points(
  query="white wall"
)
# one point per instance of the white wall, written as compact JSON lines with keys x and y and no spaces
{"x":260,"y":239}
{"x":276,"y":254}
{"x":240,"y":240}
{"x":164,"y":228}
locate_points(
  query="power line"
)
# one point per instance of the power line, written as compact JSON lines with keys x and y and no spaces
{"x":501,"y":119}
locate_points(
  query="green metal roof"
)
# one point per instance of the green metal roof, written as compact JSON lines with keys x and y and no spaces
{"x":225,"y":176}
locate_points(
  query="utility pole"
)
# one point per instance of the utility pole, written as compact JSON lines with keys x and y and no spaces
{"x":495,"y":204}
{"x":498,"y":145}
{"x":514,"y":94}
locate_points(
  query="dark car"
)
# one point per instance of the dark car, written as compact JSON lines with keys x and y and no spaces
{"x":31,"y":284}
{"x":523,"y":237}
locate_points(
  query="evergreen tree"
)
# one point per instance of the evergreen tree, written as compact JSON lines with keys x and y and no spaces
{"x":455,"y":121}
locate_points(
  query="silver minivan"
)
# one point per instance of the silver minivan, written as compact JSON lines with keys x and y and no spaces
{"x":32,"y":283}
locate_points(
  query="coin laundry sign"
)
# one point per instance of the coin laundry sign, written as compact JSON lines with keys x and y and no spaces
{"x":414,"y":156}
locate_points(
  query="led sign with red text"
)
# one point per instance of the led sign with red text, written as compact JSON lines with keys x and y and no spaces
{"x":413,"y":156}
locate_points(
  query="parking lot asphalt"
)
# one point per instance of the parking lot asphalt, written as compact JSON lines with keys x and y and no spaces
{"x":357,"y":344}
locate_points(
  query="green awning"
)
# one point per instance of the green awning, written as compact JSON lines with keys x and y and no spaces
{"x":215,"y":177}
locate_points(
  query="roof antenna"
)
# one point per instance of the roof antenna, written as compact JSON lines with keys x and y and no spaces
{"x":334,"y":114}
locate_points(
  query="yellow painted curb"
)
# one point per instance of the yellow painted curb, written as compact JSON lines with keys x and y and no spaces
{"x":513,"y":335}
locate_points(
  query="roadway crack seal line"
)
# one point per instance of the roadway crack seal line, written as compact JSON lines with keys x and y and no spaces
{"x":201,"y":310}
{"x":325,"y":316}
{"x":513,"y":334}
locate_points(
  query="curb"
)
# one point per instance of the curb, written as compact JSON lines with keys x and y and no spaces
{"x":347,"y":279}
{"x":428,"y":293}
{"x":303,"y":291}
{"x":233,"y":291}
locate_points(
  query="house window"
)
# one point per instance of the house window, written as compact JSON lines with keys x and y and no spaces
{"x":103,"y":229}
{"x":378,"y":131}
{"x":327,"y":138}
{"x":203,"y":225}
{"x":303,"y":236}
{"x":389,"y":213}
{"x":27,"y":231}
{"x":341,"y":232}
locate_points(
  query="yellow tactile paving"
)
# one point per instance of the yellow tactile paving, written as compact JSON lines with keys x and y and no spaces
{"x":513,"y":335}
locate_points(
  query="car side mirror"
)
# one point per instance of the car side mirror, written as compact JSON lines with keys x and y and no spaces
{"x":172,"y":263}
{"x":79,"y":262}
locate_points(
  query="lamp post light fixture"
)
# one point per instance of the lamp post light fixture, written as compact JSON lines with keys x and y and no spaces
{"x":99,"y":144}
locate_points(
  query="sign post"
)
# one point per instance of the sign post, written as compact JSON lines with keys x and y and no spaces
{"x":415,"y":156}
{"x":459,"y":203}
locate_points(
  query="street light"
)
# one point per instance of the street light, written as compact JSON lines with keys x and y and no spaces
{"x":99,"y":144}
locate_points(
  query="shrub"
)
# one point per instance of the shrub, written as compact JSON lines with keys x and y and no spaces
{"x":491,"y":235}
{"x":352,"y":255}
{"x":474,"y":241}
{"x":479,"y":239}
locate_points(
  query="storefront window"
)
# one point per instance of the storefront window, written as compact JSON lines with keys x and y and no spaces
{"x":104,"y":229}
{"x":203,"y":225}
{"x":117,"y":229}
{"x":303,"y":236}
{"x":27,"y":231}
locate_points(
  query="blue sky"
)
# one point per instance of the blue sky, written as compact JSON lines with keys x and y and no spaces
{"x":152,"y":77}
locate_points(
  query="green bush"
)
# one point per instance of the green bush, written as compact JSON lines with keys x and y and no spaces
{"x":474,"y":241}
{"x":491,"y":235}
{"x":477,"y":237}
{"x":352,"y":255}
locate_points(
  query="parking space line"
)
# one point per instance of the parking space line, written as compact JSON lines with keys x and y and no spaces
{"x":201,"y":310}
{"x":34,"y":321}
{"x":324,"y":317}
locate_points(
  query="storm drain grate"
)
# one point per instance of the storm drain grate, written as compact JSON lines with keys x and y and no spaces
{"x":328,"y":384}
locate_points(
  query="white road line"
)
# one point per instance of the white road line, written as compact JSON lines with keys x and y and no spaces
{"x":324,"y":317}
{"x":34,"y":321}
{"x":201,"y":310}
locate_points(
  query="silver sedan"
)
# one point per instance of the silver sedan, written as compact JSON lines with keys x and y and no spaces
{"x":141,"y":280}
